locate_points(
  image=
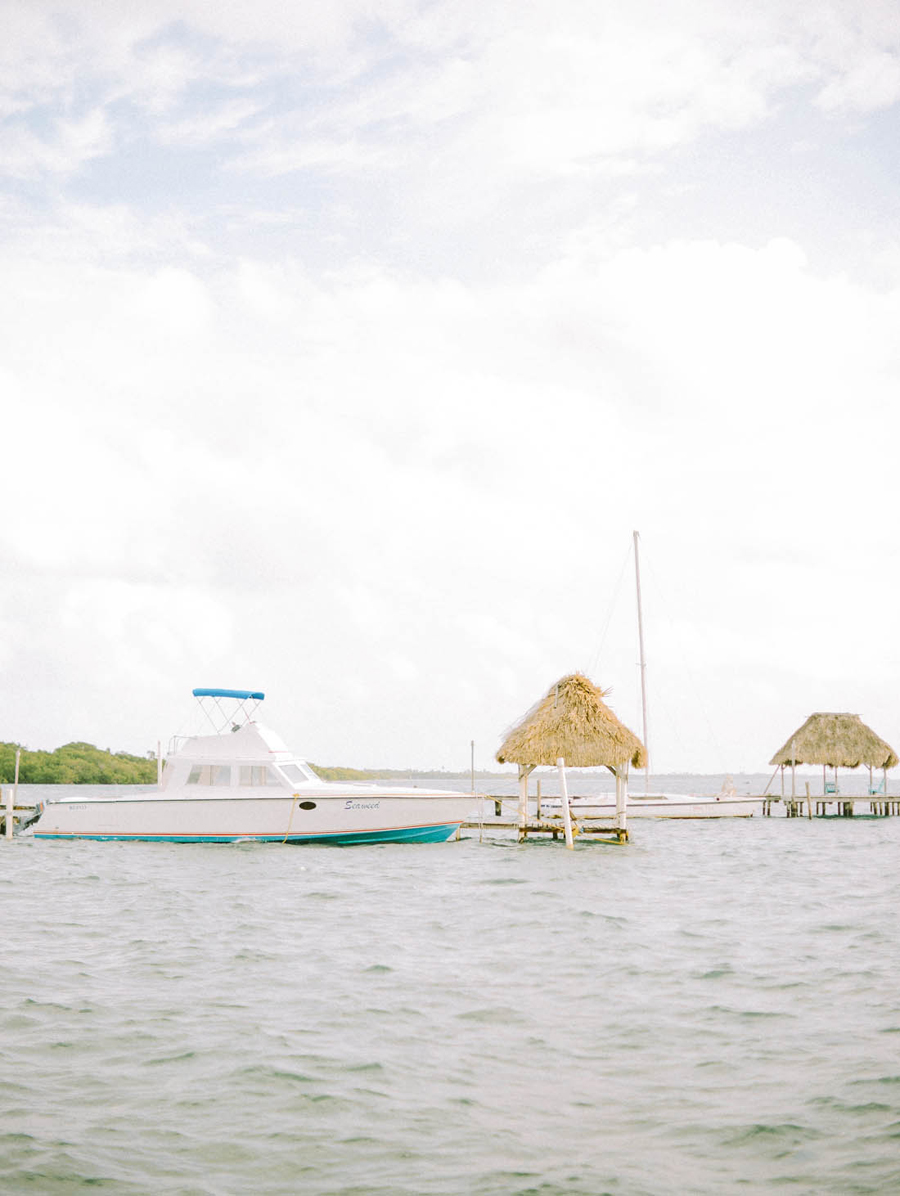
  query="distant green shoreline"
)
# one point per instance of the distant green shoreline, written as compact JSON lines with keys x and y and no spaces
{"x":75,"y":764}
{"x":337,"y":773}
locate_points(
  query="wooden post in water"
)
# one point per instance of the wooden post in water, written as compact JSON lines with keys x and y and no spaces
{"x":793,"y":770}
{"x":472,"y":764}
{"x":621,"y":800}
{"x":9,"y":813}
{"x":564,"y":797}
{"x":525,"y":771}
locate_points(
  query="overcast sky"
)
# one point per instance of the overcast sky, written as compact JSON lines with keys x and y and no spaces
{"x":345,"y":344}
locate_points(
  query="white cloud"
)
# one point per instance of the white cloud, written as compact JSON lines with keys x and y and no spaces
{"x":870,"y":82}
{"x":205,"y":128}
{"x":70,"y":144}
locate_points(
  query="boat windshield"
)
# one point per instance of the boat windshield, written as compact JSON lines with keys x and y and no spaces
{"x":298,"y":774}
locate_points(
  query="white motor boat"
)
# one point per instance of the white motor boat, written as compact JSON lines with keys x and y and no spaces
{"x":242,"y":783}
{"x":657,"y":805}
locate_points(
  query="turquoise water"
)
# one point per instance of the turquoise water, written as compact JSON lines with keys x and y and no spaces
{"x":712,"y":1008}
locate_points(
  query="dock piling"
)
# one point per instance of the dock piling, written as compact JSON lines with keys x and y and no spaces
{"x":564,"y":797}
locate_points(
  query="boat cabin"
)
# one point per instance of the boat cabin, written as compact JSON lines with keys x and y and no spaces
{"x":241,"y":754}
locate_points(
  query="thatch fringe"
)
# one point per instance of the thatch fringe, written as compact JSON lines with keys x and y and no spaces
{"x":837,"y":740}
{"x":574,"y":722}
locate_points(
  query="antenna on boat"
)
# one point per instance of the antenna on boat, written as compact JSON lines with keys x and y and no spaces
{"x":640,"y":615}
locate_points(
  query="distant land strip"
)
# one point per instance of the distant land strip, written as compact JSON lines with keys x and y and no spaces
{"x":76,"y":764}
{"x":337,"y":773}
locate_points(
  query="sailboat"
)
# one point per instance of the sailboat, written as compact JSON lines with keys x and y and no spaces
{"x":725,"y":804}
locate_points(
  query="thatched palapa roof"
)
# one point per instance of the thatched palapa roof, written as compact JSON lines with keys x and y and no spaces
{"x":574,"y":722}
{"x":838,"y":740}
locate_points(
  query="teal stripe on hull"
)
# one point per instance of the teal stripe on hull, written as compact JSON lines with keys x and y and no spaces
{"x":408,"y":834}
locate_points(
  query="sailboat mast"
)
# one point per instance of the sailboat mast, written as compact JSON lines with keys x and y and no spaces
{"x":640,"y":615}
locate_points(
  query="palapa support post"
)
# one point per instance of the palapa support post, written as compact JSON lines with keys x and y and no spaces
{"x":621,"y":801}
{"x":564,"y":797}
{"x":793,"y":769}
{"x":525,"y":771}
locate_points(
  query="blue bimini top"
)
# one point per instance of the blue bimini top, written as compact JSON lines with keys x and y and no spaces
{"x":228,"y":693}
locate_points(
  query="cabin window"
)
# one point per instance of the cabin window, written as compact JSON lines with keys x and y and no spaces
{"x":209,"y":774}
{"x":258,"y":774}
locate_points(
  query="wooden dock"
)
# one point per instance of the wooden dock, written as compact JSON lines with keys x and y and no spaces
{"x":600,"y":830}
{"x":834,"y":806}
{"x":11,"y":811}
{"x":585,"y":828}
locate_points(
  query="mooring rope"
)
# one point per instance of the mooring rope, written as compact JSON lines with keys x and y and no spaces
{"x":294,"y":803}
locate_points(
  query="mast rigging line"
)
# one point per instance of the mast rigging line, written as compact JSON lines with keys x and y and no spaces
{"x":640,"y":622}
{"x":595,"y":659}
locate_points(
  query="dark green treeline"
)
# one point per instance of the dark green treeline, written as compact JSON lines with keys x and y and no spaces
{"x":75,"y":764}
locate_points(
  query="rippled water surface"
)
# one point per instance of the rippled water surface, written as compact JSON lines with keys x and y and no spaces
{"x":714,"y":1007}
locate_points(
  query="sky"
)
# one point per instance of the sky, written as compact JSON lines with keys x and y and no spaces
{"x":344,"y":346}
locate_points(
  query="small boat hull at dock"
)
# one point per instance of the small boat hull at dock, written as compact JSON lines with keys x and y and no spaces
{"x":658,"y":805}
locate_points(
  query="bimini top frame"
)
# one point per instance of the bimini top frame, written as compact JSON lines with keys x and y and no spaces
{"x":228,"y":708}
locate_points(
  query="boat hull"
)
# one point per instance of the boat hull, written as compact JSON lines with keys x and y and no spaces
{"x":305,"y":818}
{"x":661,"y":807}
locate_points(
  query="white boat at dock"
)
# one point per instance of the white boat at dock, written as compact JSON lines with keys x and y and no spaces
{"x":242,"y":783}
{"x":657,"y":805}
